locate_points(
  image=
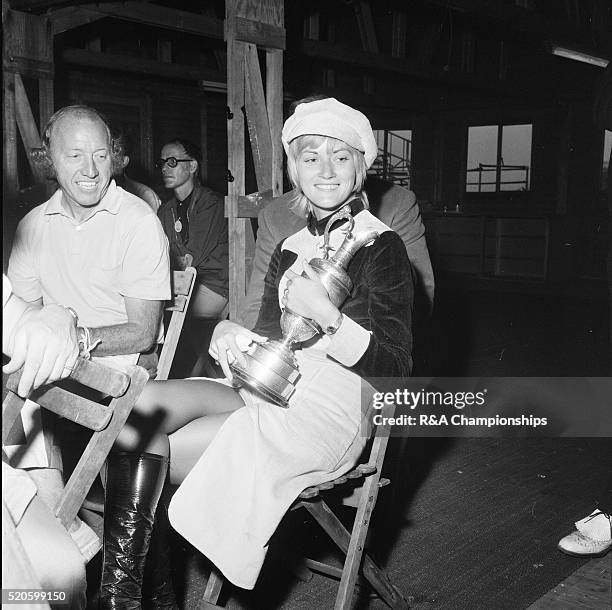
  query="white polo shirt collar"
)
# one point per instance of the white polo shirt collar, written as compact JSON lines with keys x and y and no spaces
{"x":111,"y":202}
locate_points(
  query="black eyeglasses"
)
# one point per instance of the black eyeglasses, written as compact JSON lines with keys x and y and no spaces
{"x":171,"y":161}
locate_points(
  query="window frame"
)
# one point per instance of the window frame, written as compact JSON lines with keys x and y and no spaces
{"x":497,"y":194}
{"x":604,"y":176}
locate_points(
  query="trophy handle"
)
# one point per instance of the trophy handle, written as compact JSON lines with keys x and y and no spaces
{"x":343,"y":212}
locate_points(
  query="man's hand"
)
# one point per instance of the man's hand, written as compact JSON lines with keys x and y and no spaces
{"x":184,"y":261}
{"x":45,"y":343}
{"x":228,"y":343}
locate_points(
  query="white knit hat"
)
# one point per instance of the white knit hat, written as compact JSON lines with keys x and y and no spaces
{"x":333,"y":119}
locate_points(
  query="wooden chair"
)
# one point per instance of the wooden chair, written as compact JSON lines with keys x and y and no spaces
{"x":106,"y":421}
{"x":359,"y":489}
{"x":183,"y":283}
{"x":182,"y":289}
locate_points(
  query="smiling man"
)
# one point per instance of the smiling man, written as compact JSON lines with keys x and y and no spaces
{"x":93,"y":246}
{"x":95,"y":249}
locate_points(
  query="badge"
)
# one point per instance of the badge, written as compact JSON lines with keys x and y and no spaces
{"x":178,"y":226}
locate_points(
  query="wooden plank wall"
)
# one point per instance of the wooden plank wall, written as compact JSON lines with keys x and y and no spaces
{"x":27,"y":54}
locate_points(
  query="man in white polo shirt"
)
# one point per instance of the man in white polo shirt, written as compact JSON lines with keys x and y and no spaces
{"x":102,"y":252}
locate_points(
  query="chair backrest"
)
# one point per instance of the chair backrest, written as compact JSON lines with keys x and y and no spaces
{"x":106,"y":421}
{"x":182,"y":289}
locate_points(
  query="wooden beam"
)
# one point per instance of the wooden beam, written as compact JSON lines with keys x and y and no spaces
{"x":398,"y":33}
{"x":33,"y":5}
{"x":250,"y":205}
{"x":124,"y":63}
{"x":243,"y":65}
{"x":204,"y":140}
{"x":363,"y":13}
{"x":467,"y":51}
{"x":274,"y":103}
{"x":363,"y":59}
{"x":66,"y":19}
{"x":600,"y":22}
{"x":160,"y":16}
{"x":235,"y":136}
{"x":499,"y":11}
{"x":28,"y":47}
{"x":386,"y":63}
{"x":262,"y":34}
{"x":45,"y":101}
{"x":312,"y":25}
{"x":164,"y":51}
{"x":10,"y":180}
{"x":28,"y":129}
{"x":257,"y":120}
{"x":220,"y":55}
{"x":146,"y":131}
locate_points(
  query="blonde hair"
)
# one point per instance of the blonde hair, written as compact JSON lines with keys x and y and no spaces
{"x":300,"y":204}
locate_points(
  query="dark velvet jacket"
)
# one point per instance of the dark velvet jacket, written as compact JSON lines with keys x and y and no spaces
{"x":381,"y":301}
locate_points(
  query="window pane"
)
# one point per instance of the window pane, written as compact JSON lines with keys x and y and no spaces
{"x":393,"y":162}
{"x":606,"y":159}
{"x":516,"y":153}
{"x":481,"y":159}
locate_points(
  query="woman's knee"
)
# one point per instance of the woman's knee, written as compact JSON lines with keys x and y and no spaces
{"x":206,"y":303}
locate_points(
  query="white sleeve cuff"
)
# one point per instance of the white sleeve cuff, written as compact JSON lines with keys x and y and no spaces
{"x":349,"y":343}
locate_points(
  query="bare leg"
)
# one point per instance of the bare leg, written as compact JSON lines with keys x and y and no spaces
{"x":205,"y":303}
{"x":188,"y":444}
{"x":166,"y":406}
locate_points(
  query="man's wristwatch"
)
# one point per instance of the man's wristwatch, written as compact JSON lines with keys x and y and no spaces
{"x":73,"y":313}
{"x":332,"y":329}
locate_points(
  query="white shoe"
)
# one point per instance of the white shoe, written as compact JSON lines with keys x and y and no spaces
{"x":592,"y":538}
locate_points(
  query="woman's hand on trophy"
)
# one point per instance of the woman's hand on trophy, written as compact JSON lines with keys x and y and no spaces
{"x":228,"y":343}
{"x":307,"y":297}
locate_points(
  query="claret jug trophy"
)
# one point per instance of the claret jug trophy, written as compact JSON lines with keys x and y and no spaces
{"x":272,"y":369}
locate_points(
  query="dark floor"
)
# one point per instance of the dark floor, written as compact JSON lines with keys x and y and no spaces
{"x":511,"y":334}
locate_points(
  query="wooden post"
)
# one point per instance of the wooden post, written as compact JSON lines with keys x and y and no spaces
{"x":28,"y":52}
{"x":27,"y":126}
{"x":9,"y":138}
{"x":147,"y":154}
{"x":204,"y":139}
{"x":274,"y":101}
{"x":251,"y":25}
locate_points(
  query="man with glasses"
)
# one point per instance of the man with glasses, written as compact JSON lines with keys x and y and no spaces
{"x":195,"y":224}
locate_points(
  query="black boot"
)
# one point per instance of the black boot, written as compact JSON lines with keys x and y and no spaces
{"x":133,"y":486}
{"x":158,"y":590}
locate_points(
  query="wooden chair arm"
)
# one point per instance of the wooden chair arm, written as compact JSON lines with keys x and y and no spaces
{"x":94,"y":375}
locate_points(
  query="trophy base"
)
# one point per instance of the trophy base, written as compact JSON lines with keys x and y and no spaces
{"x":271,"y":371}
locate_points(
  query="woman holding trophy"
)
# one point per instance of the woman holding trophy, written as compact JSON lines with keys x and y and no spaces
{"x":348,"y":312}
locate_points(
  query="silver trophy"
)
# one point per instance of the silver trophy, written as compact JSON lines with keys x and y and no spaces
{"x":272,"y":369}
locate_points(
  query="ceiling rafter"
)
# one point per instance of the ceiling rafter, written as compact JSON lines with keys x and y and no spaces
{"x":37,"y":5}
{"x":387,"y":63}
{"x":140,"y":12}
